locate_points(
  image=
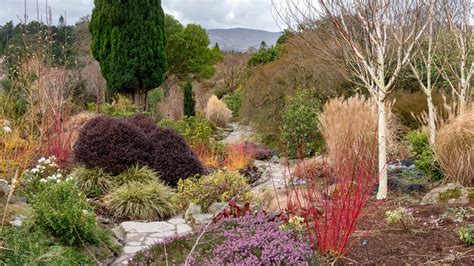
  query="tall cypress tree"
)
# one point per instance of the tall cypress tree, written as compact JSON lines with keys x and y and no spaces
{"x":129,"y":42}
{"x":189,"y":102}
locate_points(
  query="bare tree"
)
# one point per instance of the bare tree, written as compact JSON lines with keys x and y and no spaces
{"x":424,"y":71}
{"x":458,"y":72}
{"x":231,"y":68}
{"x":376,"y":38}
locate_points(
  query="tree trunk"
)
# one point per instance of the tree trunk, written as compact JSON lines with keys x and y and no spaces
{"x":382,"y":139}
{"x":139,"y":99}
{"x":431,"y":119}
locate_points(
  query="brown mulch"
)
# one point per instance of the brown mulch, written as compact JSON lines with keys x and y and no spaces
{"x":428,"y":239}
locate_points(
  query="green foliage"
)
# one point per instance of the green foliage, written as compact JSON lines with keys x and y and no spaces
{"x":458,"y":214}
{"x":425,"y":157}
{"x":189,"y":102}
{"x":128,"y":40}
{"x":136,"y":173}
{"x":30,"y":246}
{"x":62,"y":210}
{"x":265,"y":55}
{"x":188,"y":50}
{"x":42,"y":175}
{"x":466,"y":234}
{"x":220,"y":186}
{"x":399,"y":215}
{"x":121,"y":107}
{"x":196,"y":129}
{"x":92,"y":181}
{"x":155,"y":96}
{"x":234,"y":101}
{"x":137,"y":200}
{"x":300,"y":130}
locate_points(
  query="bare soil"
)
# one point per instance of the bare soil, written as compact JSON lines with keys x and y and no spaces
{"x":427,"y":239}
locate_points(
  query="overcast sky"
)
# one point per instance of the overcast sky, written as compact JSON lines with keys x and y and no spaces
{"x":211,"y":14}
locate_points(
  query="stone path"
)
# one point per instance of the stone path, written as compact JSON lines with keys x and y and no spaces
{"x":137,"y":236}
{"x":274,"y":175}
{"x":239,"y":133}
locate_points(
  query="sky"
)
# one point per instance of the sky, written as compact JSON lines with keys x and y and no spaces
{"x":211,"y":14}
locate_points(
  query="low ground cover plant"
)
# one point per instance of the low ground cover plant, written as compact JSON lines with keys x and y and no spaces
{"x":466,"y":234}
{"x":247,"y":240}
{"x":220,"y":186}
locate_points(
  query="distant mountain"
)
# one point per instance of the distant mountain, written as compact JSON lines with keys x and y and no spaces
{"x":240,"y":39}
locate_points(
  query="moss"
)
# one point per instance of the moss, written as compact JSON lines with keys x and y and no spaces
{"x":454,"y":193}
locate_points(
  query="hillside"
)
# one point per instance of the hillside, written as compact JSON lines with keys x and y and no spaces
{"x":239,"y":39}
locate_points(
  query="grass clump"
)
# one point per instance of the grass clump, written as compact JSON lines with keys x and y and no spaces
{"x":92,"y":181}
{"x":143,"y":201}
{"x":454,"y":149}
{"x":217,"y":112}
{"x":137,"y":173}
{"x":220,"y":186}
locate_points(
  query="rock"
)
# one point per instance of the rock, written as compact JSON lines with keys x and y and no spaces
{"x":102,"y":219}
{"x":119,"y":233}
{"x":122,"y":260}
{"x":183,"y":229}
{"x":152,"y":240}
{"x":4,"y":188}
{"x":140,"y":237}
{"x":217,"y":207}
{"x":18,"y":221}
{"x":140,"y":227}
{"x":163,"y":234}
{"x":176,"y":221}
{"x":274,"y":159}
{"x":133,"y":249}
{"x":192,"y":210}
{"x":450,"y":193}
{"x":203,"y":218}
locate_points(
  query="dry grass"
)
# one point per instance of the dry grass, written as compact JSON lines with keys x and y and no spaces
{"x":217,"y":112}
{"x":454,"y":149}
{"x":310,"y":168}
{"x":73,"y":126}
{"x":347,"y":120}
{"x":238,"y":157}
{"x":172,"y":106}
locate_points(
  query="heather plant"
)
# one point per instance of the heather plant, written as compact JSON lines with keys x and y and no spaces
{"x":246,"y":240}
{"x":62,"y":210}
{"x":220,"y":186}
{"x":217,"y":112}
{"x":141,"y":200}
{"x":300,"y":130}
{"x":256,"y":240}
{"x":260,"y":152}
{"x":424,"y":154}
{"x":92,"y":182}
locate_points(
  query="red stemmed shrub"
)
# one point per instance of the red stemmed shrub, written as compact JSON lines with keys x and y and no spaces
{"x":331,"y":210}
{"x":118,"y":144}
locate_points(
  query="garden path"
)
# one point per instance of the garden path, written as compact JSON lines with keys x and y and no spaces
{"x":239,"y":133}
{"x":141,"y":235}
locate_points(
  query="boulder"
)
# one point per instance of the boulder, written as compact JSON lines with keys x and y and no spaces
{"x":216,"y":207}
{"x":449,"y":193}
{"x":192,"y":210}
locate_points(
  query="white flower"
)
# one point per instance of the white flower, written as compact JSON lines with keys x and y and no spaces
{"x":41,"y":160}
{"x":59,"y":180}
{"x":7,"y":129}
{"x":42,"y":180}
{"x":47,"y":161}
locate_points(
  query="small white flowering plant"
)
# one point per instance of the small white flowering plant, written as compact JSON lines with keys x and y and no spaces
{"x":45,"y":173}
{"x":5,"y":127}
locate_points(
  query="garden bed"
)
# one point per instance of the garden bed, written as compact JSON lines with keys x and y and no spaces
{"x":426,"y":240}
